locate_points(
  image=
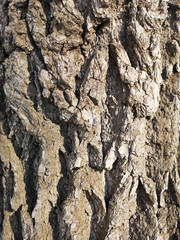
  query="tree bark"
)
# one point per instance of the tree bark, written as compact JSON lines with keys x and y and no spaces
{"x":89,"y":119}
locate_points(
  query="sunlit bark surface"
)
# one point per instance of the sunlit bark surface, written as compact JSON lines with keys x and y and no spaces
{"x":89,"y":119}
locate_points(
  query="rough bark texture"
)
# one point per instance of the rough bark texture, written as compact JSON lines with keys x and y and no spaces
{"x":89,"y":119}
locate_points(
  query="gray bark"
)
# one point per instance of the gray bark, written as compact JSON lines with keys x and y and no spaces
{"x":89,"y":119}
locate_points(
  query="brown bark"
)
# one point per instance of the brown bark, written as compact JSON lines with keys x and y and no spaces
{"x":89,"y":119}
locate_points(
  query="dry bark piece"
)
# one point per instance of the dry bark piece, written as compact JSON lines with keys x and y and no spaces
{"x":89,"y":119}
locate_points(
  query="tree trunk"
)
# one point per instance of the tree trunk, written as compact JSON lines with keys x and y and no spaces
{"x":89,"y":119}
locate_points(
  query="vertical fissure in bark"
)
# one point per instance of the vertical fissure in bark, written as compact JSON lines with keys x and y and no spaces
{"x":92,"y":231}
{"x":16,"y":225}
{"x":78,"y":82}
{"x":53,"y":220}
{"x":46,"y":4}
{"x":36,"y":48}
{"x":63,"y":184}
{"x":9,"y":184}
{"x":1,"y":196}
{"x":117,"y":100}
{"x":172,"y":192}
{"x":31,"y":165}
{"x":15,"y":137}
{"x":143,"y":200}
{"x":32,"y":90}
{"x":49,"y":109}
{"x":67,"y":132}
{"x":178,"y":157}
{"x":95,"y":160}
{"x":97,"y":218}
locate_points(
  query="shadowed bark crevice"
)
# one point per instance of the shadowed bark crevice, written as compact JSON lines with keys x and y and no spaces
{"x":95,"y":160}
{"x":16,"y":225}
{"x":31,"y":165}
{"x":46,"y":4}
{"x":50,"y":110}
{"x":36,"y":48}
{"x":63,"y":184}
{"x":117,"y":99}
{"x":9,"y":190}
{"x":97,"y":217}
{"x":143,"y":200}
{"x":53,"y":219}
{"x":1,"y":196}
